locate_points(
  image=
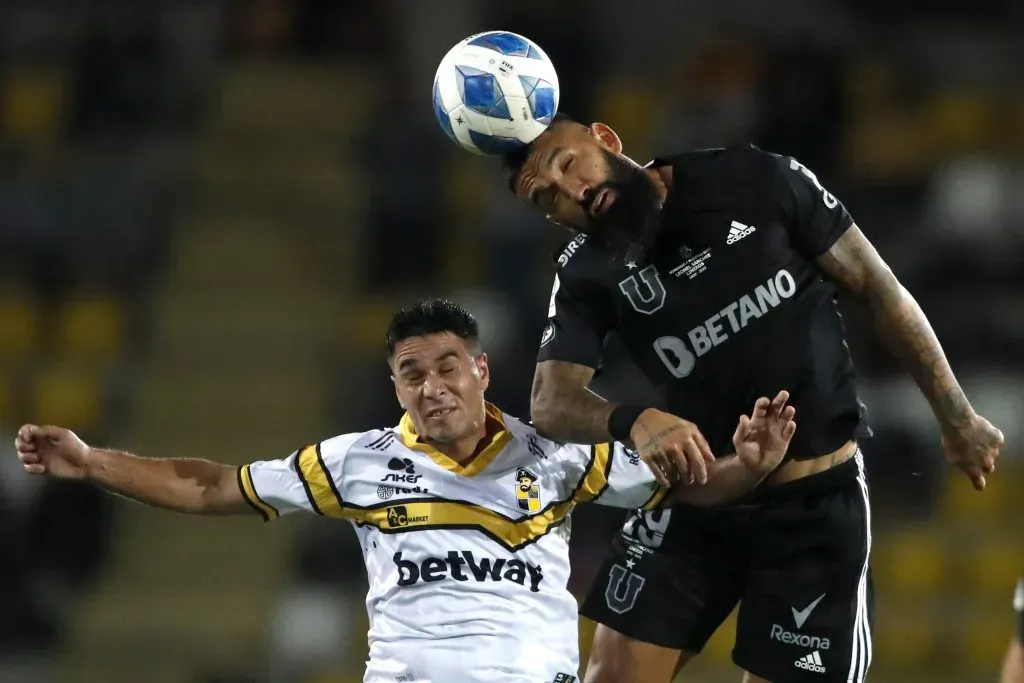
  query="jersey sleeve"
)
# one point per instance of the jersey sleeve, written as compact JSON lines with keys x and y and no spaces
{"x":814,"y":217}
{"x":309,"y":479}
{"x":578,"y":320}
{"x":613,"y":475}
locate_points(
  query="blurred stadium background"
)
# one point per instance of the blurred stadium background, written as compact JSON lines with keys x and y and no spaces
{"x":208,"y":211}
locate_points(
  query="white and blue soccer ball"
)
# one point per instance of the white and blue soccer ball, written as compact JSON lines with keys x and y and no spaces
{"x":495,"y":92}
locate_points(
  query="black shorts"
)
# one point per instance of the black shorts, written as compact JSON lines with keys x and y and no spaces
{"x":794,"y":556}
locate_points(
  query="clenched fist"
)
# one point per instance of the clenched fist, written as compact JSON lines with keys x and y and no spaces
{"x":51,"y":450}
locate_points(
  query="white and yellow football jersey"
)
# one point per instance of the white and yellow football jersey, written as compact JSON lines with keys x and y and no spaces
{"x":468,"y":566}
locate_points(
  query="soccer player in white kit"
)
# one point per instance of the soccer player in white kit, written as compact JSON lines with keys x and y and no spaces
{"x":461,"y":510}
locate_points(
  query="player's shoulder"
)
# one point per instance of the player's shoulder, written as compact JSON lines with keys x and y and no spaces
{"x":580,"y":260}
{"x":376,"y":440}
{"x":743,"y":162}
{"x":737,"y":177}
{"x":529,"y":444}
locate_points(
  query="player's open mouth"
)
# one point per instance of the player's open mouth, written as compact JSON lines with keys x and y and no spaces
{"x":439,"y":413}
{"x":602,"y":202}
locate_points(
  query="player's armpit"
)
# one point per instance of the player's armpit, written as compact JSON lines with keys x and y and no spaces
{"x":728,"y":479}
{"x":563,"y":408}
{"x":854,"y":264}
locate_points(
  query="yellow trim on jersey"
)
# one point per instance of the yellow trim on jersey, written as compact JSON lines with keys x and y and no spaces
{"x":449,"y":514}
{"x":411,"y":440}
{"x":316,"y":479}
{"x":595,"y":479}
{"x":656,"y":498}
{"x":424,"y":515}
{"x":248,"y":490}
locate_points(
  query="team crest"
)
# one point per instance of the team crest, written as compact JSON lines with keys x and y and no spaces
{"x":527,"y":490}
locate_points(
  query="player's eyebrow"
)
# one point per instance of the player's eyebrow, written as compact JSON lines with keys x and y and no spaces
{"x":552,"y":155}
{"x":450,"y":353}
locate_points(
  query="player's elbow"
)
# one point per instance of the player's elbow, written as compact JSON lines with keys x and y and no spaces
{"x":542,"y":412}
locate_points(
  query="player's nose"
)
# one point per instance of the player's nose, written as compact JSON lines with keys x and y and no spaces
{"x":575,"y":189}
{"x":434,"y":386}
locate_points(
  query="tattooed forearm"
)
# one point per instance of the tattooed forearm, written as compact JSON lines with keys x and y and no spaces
{"x":900,"y":323}
{"x":563,"y":408}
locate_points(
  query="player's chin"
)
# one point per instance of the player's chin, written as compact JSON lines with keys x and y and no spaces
{"x":444,"y":426}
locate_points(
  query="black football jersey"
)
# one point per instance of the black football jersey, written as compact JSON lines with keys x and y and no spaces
{"x":729,"y":304}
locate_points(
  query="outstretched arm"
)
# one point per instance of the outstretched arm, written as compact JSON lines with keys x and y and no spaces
{"x":970,"y":441}
{"x":184,"y":485}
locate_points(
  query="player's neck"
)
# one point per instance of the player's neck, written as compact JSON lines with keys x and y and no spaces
{"x":661,"y":176}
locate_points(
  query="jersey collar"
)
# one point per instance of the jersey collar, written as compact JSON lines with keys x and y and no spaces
{"x":501,"y":437}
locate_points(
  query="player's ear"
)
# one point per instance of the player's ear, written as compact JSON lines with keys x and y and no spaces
{"x":484,"y":369}
{"x":604,"y":134}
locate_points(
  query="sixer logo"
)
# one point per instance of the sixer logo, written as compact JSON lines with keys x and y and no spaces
{"x":403,"y":470}
{"x":398,"y":517}
{"x":527,"y":490}
{"x":463,"y":565}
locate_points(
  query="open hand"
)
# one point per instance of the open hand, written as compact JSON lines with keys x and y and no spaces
{"x":762,"y":438}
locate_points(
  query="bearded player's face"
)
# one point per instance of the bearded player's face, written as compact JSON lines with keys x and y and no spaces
{"x":576,"y":176}
{"x":440,"y":380}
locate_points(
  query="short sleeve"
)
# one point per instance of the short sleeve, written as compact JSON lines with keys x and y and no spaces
{"x":815,"y":218}
{"x":578,"y":320}
{"x":614,"y":476}
{"x":309,"y":479}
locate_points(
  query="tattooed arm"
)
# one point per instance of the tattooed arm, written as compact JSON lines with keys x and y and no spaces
{"x":562,"y":407}
{"x":970,"y":441}
{"x":900,"y":323}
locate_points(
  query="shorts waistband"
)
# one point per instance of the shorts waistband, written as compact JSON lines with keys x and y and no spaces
{"x":834,"y":477}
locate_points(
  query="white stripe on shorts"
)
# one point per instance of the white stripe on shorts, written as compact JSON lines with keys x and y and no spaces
{"x":860,"y":657}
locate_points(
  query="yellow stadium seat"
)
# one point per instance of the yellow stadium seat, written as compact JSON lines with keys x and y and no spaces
{"x":18,"y":326}
{"x":67,"y":397}
{"x":33,"y":104}
{"x":985,"y":637}
{"x":963,"y":504}
{"x":910,"y":563}
{"x":994,"y":565}
{"x":631,"y":109}
{"x":91,"y":327}
{"x":904,"y":637}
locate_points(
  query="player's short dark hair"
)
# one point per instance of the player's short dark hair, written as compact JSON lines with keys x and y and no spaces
{"x":431,"y":316}
{"x":514,"y":160}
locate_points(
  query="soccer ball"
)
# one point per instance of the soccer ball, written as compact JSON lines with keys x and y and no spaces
{"x":495,"y":92}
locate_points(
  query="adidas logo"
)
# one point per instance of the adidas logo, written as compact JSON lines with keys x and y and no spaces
{"x":738,"y":231}
{"x":811,"y":662}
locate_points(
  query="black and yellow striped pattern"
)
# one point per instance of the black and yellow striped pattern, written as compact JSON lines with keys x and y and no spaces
{"x":657,"y":498}
{"x":595,"y":479}
{"x":427,"y":514}
{"x":323,"y":494}
{"x":266,"y":510}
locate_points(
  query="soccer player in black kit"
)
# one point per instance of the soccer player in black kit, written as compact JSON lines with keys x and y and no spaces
{"x":718,"y":270}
